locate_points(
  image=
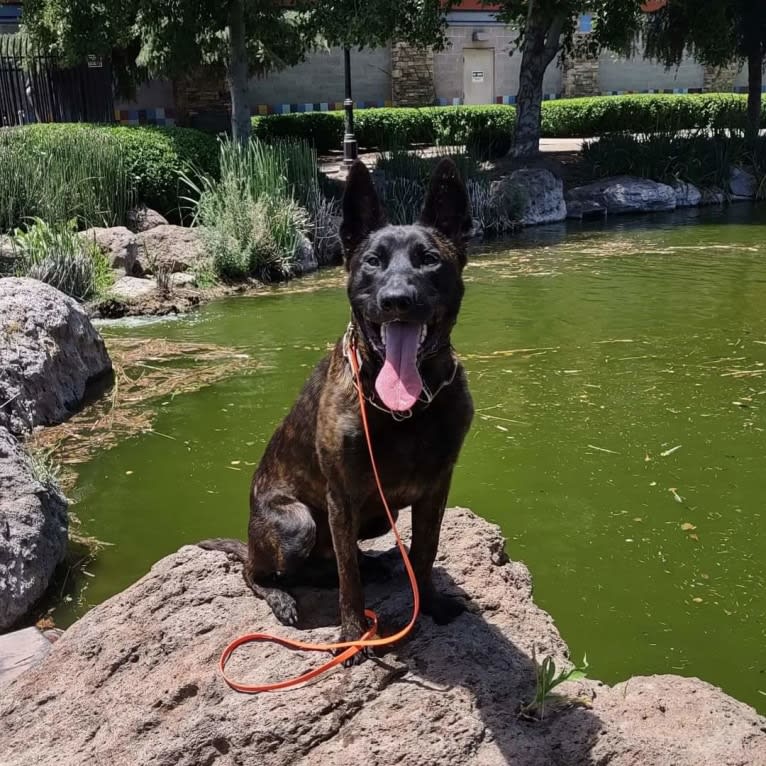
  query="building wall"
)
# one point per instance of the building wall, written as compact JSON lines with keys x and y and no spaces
{"x":448,"y":64}
{"x":638,"y":74}
{"x":320,"y":80}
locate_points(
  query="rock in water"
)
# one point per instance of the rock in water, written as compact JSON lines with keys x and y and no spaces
{"x":33,"y":532}
{"x":626,"y":194}
{"x":544,"y":194}
{"x":136,"y":681}
{"x":49,"y":353}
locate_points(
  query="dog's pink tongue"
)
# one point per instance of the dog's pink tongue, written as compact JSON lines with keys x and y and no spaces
{"x":399,"y":383}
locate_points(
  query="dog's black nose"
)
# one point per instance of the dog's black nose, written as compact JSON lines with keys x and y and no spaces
{"x":396,"y":299}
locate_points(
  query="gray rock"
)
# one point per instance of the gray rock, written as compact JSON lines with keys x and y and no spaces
{"x":136,"y":681}
{"x":132,"y":288}
{"x":49,"y":353}
{"x":182,"y":279}
{"x":743,"y":185}
{"x":585,"y":210}
{"x":626,"y":194}
{"x":687,"y":194}
{"x":20,"y":650}
{"x":544,"y":195}
{"x":8,"y":255}
{"x":177,"y":248}
{"x":117,"y":243}
{"x":305,"y":259}
{"x":33,"y":531}
{"x":144,"y":218}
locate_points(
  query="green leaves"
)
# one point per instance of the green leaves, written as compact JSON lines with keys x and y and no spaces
{"x":547,"y":680}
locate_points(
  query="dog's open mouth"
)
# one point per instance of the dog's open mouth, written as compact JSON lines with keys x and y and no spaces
{"x":399,"y":383}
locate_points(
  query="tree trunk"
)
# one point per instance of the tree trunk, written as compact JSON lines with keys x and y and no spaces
{"x":754,"y":85}
{"x":238,"y":74}
{"x":542,"y":41}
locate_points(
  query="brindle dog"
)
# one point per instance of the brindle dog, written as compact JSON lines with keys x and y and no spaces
{"x":313,"y":495}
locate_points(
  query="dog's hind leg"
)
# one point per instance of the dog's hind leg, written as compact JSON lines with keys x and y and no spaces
{"x":281,"y":536}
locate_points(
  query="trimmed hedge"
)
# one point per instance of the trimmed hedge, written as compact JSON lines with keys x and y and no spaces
{"x":154,"y":155}
{"x":491,"y":127}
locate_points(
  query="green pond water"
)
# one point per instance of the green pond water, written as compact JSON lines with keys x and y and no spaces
{"x":619,"y":377}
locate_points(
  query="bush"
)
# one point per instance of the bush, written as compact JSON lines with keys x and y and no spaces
{"x":253,"y":223}
{"x":94,"y":173}
{"x":57,"y":255}
{"x":702,"y":159}
{"x":488,"y":130}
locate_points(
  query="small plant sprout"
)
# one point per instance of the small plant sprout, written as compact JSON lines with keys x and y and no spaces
{"x":547,"y":680}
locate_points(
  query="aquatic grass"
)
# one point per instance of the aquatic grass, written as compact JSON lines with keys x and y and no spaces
{"x":57,"y":255}
{"x":80,"y":175}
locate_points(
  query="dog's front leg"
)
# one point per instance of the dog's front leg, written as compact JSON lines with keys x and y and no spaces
{"x":427,"y":513}
{"x":344,"y":522}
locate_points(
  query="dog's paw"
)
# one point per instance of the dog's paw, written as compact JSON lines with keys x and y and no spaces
{"x":443,"y":609}
{"x":284,"y":607}
{"x":359,"y":657}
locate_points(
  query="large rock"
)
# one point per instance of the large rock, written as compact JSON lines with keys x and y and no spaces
{"x":143,"y":218}
{"x":743,"y":185}
{"x":136,"y":682}
{"x":49,"y":353}
{"x":117,"y":243}
{"x":33,"y":532}
{"x":132,"y":288}
{"x":626,"y":194}
{"x":544,"y":194}
{"x":305,"y":259}
{"x":687,"y":194}
{"x":177,"y":248}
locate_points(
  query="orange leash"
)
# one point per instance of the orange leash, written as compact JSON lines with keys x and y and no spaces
{"x":351,"y":647}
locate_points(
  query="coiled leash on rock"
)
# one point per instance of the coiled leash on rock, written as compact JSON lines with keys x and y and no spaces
{"x":351,"y":647}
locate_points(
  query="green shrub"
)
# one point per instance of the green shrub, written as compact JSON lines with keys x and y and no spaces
{"x":253,"y":223}
{"x":702,"y":159}
{"x":95,"y":172}
{"x":57,"y":255}
{"x":488,"y":130}
{"x":59,"y":175}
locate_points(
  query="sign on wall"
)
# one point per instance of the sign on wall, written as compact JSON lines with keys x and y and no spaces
{"x":477,"y":76}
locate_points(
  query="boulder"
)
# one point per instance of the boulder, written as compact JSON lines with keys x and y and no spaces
{"x":585,"y":210}
{"x":49,"y":353}
{"x":143,"y":218}
{"x":743,"y":185}
{"x":117,"y":243}
{"x":136,"y":681}
{"x":687,"y":194}
{"x":33,"y":531}
{"x":305,"y":260}
{"x":544,"y":194}
{"x":626,"y":194}
{"x":177,"y":248}
{"x":132,"y":288}
{"x":182,"y":279}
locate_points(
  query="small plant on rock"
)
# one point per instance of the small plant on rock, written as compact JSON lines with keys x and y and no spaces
{"x":546,"y":681}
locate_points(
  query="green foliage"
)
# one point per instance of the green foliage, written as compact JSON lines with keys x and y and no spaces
{"x":57,"y":255}
{"x":645,"y":112}
{"x":547,"y":680}
{"x":322,"y":130}
{"x":701,"y":159}
{"x":95,"y":173}
{"x":486,"y":131}
{"x":59,"y":174}
{"x":254,"y":224}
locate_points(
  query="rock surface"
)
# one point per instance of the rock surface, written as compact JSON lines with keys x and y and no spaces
{"x":626,"y":194}
{"x":144,"y":218}
{"x":117,"y":243}
{"x":132,"y":288}
{"x":743,"y":185}
{"x":585,"y":210}
{"x":544,"y":193}
{"x":136,"y":681}
{"x":49,"y":353}
{"x":33,"y":532}
{"x":7,"y":255}
{"x":177,"y":248}
{"x":687,"y":194}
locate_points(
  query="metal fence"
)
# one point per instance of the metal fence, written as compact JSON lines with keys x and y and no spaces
{"x":33,"y":88}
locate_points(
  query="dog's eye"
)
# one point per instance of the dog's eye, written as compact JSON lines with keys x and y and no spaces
{"x":430,"y":258}
{"x":372,"y":260}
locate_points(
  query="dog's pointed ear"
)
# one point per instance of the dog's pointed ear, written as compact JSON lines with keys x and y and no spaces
{"x":447,"y":207}
{"x":362,"y":211}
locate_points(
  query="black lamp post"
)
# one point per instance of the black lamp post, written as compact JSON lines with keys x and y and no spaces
{"x":350,"y":149}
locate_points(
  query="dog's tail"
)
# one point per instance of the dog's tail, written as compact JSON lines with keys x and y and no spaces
{"x":234,"y":548}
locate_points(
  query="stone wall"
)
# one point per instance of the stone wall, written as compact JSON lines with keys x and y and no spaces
{"x":412,"y":75}
{"x":202,"y":99}
{"x":580,"y":74}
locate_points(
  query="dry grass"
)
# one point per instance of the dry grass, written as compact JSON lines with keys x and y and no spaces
{"x":145,"y":373}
